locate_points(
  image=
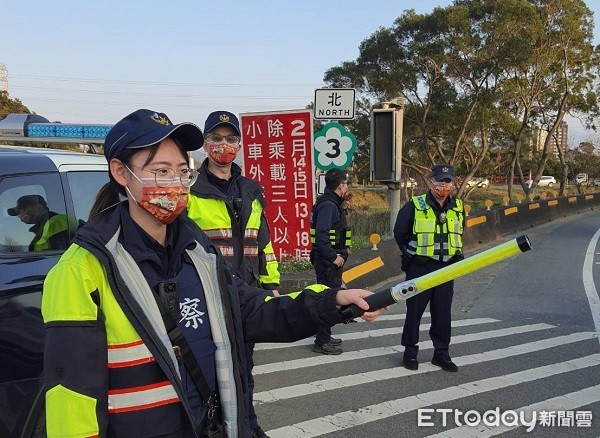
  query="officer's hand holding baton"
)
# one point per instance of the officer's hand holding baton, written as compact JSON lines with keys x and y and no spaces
{"x":347,"y":297}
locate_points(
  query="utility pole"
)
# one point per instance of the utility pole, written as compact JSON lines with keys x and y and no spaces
{"x":3,"y":78}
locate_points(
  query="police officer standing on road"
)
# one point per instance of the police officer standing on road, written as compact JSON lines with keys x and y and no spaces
{"x":145,"y":322}
{"x":330,"y":238}
{"x":428,"y":231}
{"x":230,"y":209}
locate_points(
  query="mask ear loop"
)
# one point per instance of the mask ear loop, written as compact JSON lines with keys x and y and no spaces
{"x":134,"y":175}
{"x":131,"y":194}
{"x":127,"y":187}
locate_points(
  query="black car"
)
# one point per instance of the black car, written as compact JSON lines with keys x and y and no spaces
{"x":61,"y":187}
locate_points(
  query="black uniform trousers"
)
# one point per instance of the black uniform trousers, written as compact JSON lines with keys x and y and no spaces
{"x":330,"y":275}
{"x":249,"y":351}
{"x":440,"y":304}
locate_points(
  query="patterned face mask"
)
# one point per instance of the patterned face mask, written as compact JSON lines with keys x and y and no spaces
{"x":223,"y":154}
{"x":442,"y":189}
{"x":164,"y":203}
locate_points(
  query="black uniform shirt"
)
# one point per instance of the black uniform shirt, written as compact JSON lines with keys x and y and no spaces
{"x":153,"y":258}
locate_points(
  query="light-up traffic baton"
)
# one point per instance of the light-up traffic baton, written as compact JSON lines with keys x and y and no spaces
{"x":409,"y":288}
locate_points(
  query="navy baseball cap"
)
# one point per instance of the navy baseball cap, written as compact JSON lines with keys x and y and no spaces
{"x":442,"y":171}
{"x":144,"y":128}
{"x":26,"y":201}
{"x":217,"y":118}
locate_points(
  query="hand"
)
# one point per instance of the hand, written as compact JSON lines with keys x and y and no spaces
{"x":339,"y":261}
{"x":356,"y":296}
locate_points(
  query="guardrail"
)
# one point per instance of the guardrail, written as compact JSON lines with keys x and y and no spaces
{"x":367,"y":268}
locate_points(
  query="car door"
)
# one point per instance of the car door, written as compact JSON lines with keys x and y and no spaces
{"x":68,"y":194}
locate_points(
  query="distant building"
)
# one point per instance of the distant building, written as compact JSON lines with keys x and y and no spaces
{"x":3,"y":78}
{"x":559,"y":141}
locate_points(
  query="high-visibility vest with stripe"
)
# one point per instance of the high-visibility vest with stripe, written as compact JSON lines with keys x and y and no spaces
{"x":213,"y":217}
{"x":340,"y":236}
{"x":435,"y":238}
{"x":149,"y":393}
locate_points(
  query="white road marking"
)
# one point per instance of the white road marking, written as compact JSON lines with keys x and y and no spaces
{"x":567,"y":402}
{"x":343,"y":337}
{"x":368,"y":414}
{"x":399,"y":371}
{"x":320,"y":359}
{"x":588,"y":282}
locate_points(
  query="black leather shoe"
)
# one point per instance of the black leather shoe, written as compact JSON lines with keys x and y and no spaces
{"x":335,"y":341}
{"x":444,"y":363}
{"x":410,"y":363}
{"x":328,"y":348}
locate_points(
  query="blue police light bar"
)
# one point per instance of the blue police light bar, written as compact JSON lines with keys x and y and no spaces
{"x":67,"y":130}
{"x":31,"y":127}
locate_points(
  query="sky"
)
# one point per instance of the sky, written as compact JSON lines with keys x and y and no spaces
{"x":95,"y":62}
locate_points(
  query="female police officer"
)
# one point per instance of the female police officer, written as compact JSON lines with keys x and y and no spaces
{"x":145,"y":322}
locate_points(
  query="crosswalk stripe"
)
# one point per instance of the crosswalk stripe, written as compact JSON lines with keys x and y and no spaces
{"x":348,"y":419}
{"x":588,"y":282}
{"x":397,"y":372}
{"x":343,"y":337}
{"x":566,"y":402}
{"x":382,"y":351}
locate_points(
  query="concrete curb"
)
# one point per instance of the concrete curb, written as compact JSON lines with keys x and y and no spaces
{"x":367,"y":268}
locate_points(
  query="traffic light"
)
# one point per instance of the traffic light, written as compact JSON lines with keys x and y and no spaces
{"x":386,"y":144}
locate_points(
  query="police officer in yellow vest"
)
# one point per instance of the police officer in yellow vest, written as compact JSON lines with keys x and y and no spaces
{"x":51,"y":229}
{"x":145,"y":322}
{"x":230,"y":209}
{"x":428,"y":231}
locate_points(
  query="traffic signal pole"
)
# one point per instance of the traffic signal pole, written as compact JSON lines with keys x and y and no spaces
{"x":394,"y":186}
{"x":386,"y":152}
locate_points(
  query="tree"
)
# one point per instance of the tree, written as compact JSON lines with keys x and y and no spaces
{"x":478,"y":76}
{"x":558,"y":78}
{"x":9,"y":106}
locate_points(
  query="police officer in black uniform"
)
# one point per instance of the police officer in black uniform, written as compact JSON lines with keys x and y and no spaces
{"x":428,"y":231}
{"x":330,"y":239}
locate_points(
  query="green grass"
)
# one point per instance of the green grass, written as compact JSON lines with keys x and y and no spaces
{"x":360,"y":242}
{"x":293,"y":265}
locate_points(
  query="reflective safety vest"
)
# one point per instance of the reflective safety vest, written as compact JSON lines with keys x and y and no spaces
{"x":213,"y":217}
{"x":340,"y":236}
{"x":436,"y":237}
{"x":339,"y":239}
{"x":55,"y":224}
{"x":125,"y":354}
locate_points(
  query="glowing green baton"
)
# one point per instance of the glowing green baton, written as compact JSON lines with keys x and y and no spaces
{"x":409,"y":288}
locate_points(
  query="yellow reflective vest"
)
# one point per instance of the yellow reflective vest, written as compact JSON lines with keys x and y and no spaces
{"x":238,"y":227}
{"x":436,"y":237}
{"x":54,"y":234}
{"x":109,"y":366}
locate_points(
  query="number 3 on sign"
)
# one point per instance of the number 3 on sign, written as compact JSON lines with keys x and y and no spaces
{"x":335,"y":148}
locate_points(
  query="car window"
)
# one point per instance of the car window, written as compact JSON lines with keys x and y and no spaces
{"x":33,"y":214}
{"x":84,"y":187}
